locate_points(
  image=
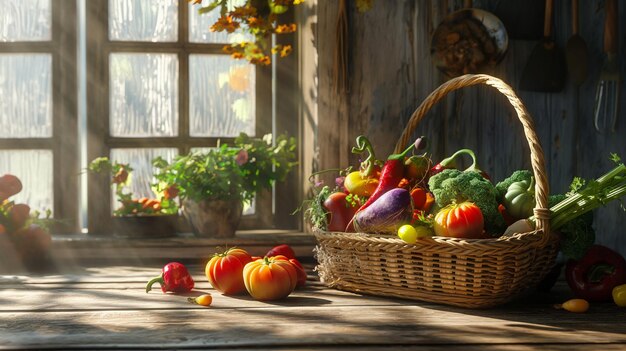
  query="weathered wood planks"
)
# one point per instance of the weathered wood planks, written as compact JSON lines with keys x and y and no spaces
{"x":108,"y":308}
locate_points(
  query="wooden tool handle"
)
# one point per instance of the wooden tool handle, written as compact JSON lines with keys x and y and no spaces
{"x":547,"y":21}
{"x":574,"y":17}
{"x":610,"y":27}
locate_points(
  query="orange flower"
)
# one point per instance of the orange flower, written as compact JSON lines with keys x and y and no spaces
{"x":225,"y":23}
{"x":237,"y":55}
{"x":286,"y":50}
{"x":255,"y":22}
{"x":286,"y":28}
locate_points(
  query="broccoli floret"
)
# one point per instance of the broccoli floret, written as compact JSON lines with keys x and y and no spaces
{"x":453,"y":185}
{"x":578,"y":234}
{"x":517,"y":176}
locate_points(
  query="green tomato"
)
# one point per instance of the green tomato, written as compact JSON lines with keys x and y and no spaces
{"x":407,"y":233}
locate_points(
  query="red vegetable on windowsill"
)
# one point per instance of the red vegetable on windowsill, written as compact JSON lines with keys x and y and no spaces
{"x":174,"y":277}
{"x":595,"y":275}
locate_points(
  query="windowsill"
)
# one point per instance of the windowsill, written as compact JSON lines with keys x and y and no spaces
{"x":101,"y":249}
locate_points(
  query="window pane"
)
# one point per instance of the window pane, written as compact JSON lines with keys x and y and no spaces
{"x":25,"y":20}
{"x":199,"y":25}
{"x":221,"y":96}
{"x":34,"y":168}
{"x":26,"y":91}
{"x":143,"y":20}
{"x":140,"y":161}
{"x":143,"y":95}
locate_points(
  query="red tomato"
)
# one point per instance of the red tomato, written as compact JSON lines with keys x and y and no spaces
{"x":341,"y":212}
{"x":224,"y":271}
{"x":301,"y":273}
{"x":283,"y":249}
{"x":271,"y":278}
{"x":464,"y":220}
{"x":9,"y":186}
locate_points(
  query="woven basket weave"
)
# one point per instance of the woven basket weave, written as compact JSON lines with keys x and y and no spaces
{"x":472,"y":273}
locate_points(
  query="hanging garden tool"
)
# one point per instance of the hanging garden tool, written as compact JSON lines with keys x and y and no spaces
{"x":607,"y":91}
{"x":545,"y":68}
{"x":576,"y":52}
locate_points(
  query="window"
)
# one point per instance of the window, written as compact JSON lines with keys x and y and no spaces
{"x":156,"y":83}
{"x":38,"y":105}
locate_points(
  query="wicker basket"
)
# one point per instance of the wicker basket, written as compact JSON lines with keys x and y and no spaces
{"x":473,"y":273}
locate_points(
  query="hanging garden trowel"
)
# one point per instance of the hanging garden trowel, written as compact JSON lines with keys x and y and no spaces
{"x":545,"y":70}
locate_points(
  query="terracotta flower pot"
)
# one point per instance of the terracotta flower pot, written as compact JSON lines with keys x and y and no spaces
{"x":156,"y":226}
{"x":213,"y":218}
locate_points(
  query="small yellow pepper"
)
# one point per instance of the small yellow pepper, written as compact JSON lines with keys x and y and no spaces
{"x":574,"y":305}
{"x":619,"y":295}
{"x":203,"y":300}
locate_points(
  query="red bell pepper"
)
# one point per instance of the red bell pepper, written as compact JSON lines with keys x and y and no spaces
{"x":595,"y":275}
{"x":174,"y":277}
{"x":282,"y":249}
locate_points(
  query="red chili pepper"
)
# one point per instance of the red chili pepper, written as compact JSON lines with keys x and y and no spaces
{"x":390,"y":176}
{"x":595,"y":275}
{"x":174,"y":277}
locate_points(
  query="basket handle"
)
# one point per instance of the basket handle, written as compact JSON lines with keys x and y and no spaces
{"x":542,"y":213}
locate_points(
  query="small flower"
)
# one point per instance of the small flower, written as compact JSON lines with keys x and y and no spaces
{"x":286,"y":50}
{"x":255,"y":22}
{"x":285,"y":28}
{"x":339,"y":181}
{"x":242,"y":157}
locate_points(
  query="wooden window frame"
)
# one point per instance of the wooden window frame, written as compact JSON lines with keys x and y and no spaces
{"x":63,"y":143}
{"x":268,"y":214}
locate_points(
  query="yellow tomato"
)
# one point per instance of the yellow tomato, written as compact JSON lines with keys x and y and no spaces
{"x":270,"y":278}
{"x":357,"y":185}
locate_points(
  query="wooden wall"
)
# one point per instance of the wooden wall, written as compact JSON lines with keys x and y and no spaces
{"x":391,"y":72}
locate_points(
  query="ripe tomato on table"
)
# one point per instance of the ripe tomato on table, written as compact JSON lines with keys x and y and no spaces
{"x":224,"y":271}
{"x":270,"y":278}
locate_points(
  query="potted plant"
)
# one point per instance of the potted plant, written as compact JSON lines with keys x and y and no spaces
{"x":137,"y":217}
{"x":214,"y":185}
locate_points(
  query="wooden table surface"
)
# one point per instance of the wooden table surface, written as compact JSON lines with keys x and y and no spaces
{"x":108,"y":308}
